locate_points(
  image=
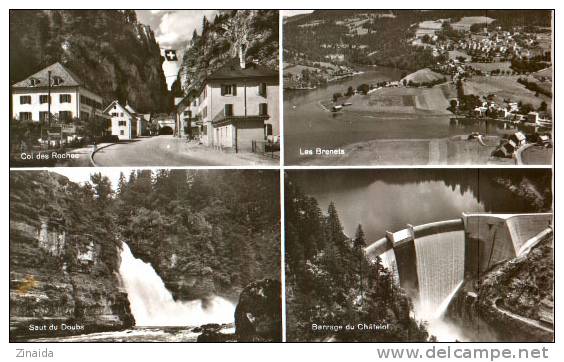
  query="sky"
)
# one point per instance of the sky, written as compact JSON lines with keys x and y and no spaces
{"x":295,"y":12}
{"x":173,"y":29}
{"x":82,"y":174}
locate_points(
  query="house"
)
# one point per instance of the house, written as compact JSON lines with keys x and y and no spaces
{"x":123,"y":121}
{"x":142,"y":128}
{"x":70,"y":99}
{"x":237,"y":106}
{"x":518,"y":138}
{"x":188,"y":123}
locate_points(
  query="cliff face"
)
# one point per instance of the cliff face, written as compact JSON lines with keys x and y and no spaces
{"x":220,"y":40}
{"x":115,"y":56}
{"x":513,"y":301}
{"x":63,"y":265}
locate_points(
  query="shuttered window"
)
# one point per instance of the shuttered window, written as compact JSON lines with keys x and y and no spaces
{"x":25,"y":99}
{"x":228,"y":110}
{"x":262,"y":89}
{"x":263,"y":109}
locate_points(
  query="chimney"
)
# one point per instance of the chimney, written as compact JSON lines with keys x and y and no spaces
{"x":242,"y":53}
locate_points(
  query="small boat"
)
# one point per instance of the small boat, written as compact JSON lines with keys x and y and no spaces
{"x":346,"y":104}
{"x":336,"y":108}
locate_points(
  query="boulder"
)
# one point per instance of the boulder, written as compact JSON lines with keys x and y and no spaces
{"x":258,"y":315}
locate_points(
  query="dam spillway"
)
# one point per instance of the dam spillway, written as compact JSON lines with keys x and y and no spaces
{"x":440,"y":269}
{"x":432,"y":260}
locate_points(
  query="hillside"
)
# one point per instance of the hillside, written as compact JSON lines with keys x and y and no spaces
{"x":219,"y":42}
{"x":116,"y":56}
{"x":425,"y":75}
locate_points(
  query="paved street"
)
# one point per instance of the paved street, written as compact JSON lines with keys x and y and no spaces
{"x":171,"y":151}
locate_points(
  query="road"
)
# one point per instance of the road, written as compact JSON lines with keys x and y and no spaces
{"x":153,"y":151}
{"x":531,"y":322}
{"x":170,"y":151}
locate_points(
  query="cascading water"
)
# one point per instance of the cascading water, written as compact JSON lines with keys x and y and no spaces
{"x":440,"y":269}
{"x":153,"y":305}
{"x":389,"y":262}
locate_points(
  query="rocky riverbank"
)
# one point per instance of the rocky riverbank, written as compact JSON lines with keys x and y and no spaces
{"x":63,"y":267}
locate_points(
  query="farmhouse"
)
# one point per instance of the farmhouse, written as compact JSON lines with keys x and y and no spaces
{"x":52,"y":95}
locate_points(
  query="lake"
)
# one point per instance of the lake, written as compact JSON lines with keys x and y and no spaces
{"x":308,"y":126}
{"x":387,"y":200}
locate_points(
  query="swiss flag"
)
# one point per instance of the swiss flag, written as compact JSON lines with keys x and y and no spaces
{"x":170,"y":55}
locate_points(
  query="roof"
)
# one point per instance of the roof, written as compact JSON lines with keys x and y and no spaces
{"x":57,"y":70}
{"x":116,"y":102}
{"x":233,"y":70}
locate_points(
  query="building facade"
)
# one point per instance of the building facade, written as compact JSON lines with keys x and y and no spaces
{"x":123,"y":122}
{"x":237,"y":108}
{"x":69,"y":97}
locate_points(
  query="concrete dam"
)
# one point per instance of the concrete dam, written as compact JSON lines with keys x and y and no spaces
{"x":431,"y":261}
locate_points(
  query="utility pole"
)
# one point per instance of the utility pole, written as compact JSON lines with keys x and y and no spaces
{"x":49,"y":106}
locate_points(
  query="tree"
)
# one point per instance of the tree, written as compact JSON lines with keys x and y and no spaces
{"x":350,"y":91}
{"x":336,"y":96}
{"x":543,"y":107}
{"x":102,"y":187}
{"x":363,"y":88}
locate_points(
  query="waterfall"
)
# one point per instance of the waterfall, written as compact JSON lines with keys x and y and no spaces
{"x":153,"y":305}
{"x":440,"y":268}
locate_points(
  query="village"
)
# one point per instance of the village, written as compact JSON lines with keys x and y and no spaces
{"x":230,"y":119}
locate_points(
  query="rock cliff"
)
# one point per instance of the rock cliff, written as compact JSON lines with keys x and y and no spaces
{"x":116,"y":56}
{"x":63,"y":264}
{"x":220,"y":40}
{"x":513,"y":301}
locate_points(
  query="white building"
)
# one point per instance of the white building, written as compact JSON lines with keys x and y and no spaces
{"x":237,"y":107}
{"x":69,"y":97}
{"x":123,"y":122}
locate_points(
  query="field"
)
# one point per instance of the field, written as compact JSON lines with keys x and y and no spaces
{"x":428,"y":27}
{"x":537,"y":155}
{"x":504,"y":87}
{"x":401,"y":100}
{"x":453,"y":54}
{"x":297,"y":69}
{"x":466,"y":22}
{"x":423,"y":76}
{"x":488,"y":67}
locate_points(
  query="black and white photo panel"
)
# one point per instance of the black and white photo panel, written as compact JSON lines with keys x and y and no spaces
{"x":427,"y":255}
{"x":147,"y":88}
{"x":418,"y":87}
{"x":137,"y":255}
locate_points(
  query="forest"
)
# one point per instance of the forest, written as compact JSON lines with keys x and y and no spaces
{"x":329,"y":280}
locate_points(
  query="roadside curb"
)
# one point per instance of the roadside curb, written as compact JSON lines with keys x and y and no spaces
{"x":98,"y":149}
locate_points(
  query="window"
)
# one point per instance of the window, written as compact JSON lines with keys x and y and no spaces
{"x":57,"y":80}
{"x":64,"y":98}
{"x":262,"y":89}
{"x":205,"y":112}
{"x":84,"y":115}
{"x":25,"y":116}
{"x":267,"y":130}
{"x":25,"y":99}
{"x":121,"y":133}
{"x":34,"y":82}
{"x":229,"y":89}
{"x":205,"y":130}
{"x":122,"y":123}
{"x":228,"y":110}
{"x":43,"y":116}
{"x":44,"y":98}
{"x":65,"y":115}
{"x":188,"y":114}
{"x":263,"y":109}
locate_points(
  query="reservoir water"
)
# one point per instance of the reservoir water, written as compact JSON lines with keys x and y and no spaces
{"x":307,"y":125}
